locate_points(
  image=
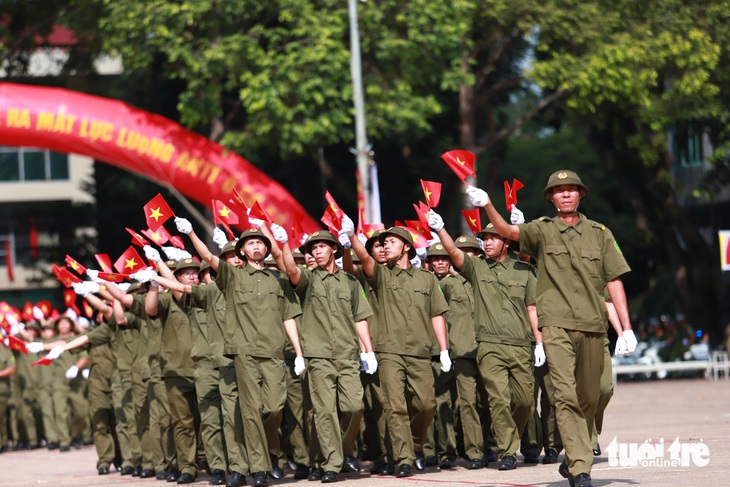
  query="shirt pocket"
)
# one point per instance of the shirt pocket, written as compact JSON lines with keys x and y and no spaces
{"x":592,"y":263}
{"x":488,"y":284}
{"x":421,"y":297}
{"x":557,"y":258}
{"x":244,"y":296}
{"x":517,"y":290}
{"x":344,"y":301}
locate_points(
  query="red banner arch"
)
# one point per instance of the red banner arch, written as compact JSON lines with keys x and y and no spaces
{"x":142,"y":142}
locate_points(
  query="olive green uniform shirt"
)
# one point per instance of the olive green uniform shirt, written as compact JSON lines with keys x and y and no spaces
{"x":175,"y":351}
{"x":209,"y":298}
{"x":6,"y":360}
{"x":407,"y":299}
{"x":502,"y":292}
{"x":331,"y":303}
{"x":151,"y":334}
{"x":573,"y":265}
{"x":373,"y":321}
{"x":460,"y":317}
{"x":257,"y":304}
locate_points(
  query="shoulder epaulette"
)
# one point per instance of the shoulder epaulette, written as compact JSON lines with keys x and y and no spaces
{"x":545,"y":219}
{"x":600,"y":226}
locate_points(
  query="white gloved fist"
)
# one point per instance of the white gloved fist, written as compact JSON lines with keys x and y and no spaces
{"x":435,"y":221}
{"x":477,"y":197}
{"x":183,"y":225}
{"x":171,"y":253}
{"x":631,"y":342}
{"x":71,"y":314}
{"x":422,"y":253}
{"x":93,"y":274}
{"x":299,"y":365}
{"x":445,"y":361}
{"x":85,"y":373}
{"x":151,"y":253}
{"x":145,"y":275}
{"x":91,"y":287}
{"x":279,"y":233}
{"x":124,"y":286}
{"x":38,"y":313}
{"x":183,"y":254}
{"x":344,"y":240}
{"x":481,"y":243}
{"x":72,"y":372}
{"x":621,"y":347}
{"x":363,"y":362}
{"x":539,"y":355}
{"x":34,"y":347}
{"x":55,"y":352}
{"x":516,"y":217}
{"x":219,"y":237}
{"x":416,"y":262}
{"x":348,"y":226}
{"x":371,"y":362}
{"x":80,"y":289}
{"x":257,"y":222}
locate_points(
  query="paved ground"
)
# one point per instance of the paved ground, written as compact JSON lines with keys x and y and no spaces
{"x":695,"y":411}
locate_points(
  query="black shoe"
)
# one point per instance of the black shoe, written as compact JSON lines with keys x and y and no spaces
{"x":596,"y":451}
{"x":64,"y":448}
{"x":432,"y":461}
{"x":53,"y":445}
{"x":447,"y":464}
{"x":475,"y":464}
{"x":583,"y":480}
{"x":404,"y":470}
{"x":563,"y":470}
{"x":147,"y":473}
{"x":316,"y":474}
{"x":420,"y":462}
{"x":551,"y":456}
{"x":161,"y":475}
{"x":117,"y":464}
{"x":508,"y":463}
{"x":137,"y":472}
{"x":173,"y":475}
{"x":128,"y":470}
{"x":301,"y":472}
{"x":218,"y":477}
{"x":532,"y":459}
{"x":76,"y":444}
{"x":260,"y":479}
{"x":329,"y":477}
{"x":350,"y":465}
{"x":236,"y":480}
{"x":103,"y":470}
{"x":489,"y":457}
{"x":186,"y":478}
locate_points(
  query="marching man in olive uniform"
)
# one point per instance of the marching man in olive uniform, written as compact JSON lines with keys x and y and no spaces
{"x":576,"y":258}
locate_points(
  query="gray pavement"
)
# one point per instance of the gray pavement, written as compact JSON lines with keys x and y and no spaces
{"x":696,"y":411}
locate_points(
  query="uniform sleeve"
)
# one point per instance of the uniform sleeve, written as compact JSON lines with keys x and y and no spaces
{"x":530,"y":237}
{"x":100,"y":335}
{"x":199,"y":296}
{"x":133,"y":321}
{"x":290,"y":307}
{"x":447,"y":287}
{"x":224,"y":274}
{"x":361,"y":309}
{"x":531,"y":286}
{"x":377,"y":277}
{"x":468,"y":269}
{"x":163,"y":305}
{"x":305,"y":278}
{"x":137,"y":307}
{"x":439,"y":305}
{"x":614,"y":263}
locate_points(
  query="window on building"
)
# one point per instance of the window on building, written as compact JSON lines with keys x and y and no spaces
{"x":30,"y":164}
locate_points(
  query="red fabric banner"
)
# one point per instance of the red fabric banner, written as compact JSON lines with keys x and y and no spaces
{"x":141,"y":142}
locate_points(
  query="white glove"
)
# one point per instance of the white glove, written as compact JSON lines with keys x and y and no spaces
{"x":481,"y":243}
{"x":621,"y":347}
{"x":362,"y":238}
{"x":299,"y":365}
{"x":422,"y":253}
{"x":344,"y":240}
{"x":151,"y":253}
{"x":348,"y":226}
{"x":183,"y":254}
{"x":363,"y":362}
{"x":631,"y":342}
{"x":91,"y":287}
{"x":34,"y":347}
{"x":55,"y":352}
{"x":539,"y":355}
{"x":371,"y":362}
{"x":257,"y":222}
{"x":445,"y":361}
{"x":83,"y":322}
{"x":183,"y":225}
{"x":516,"y":217}
{"x":416,"y":262}
{"x":338,"y":262}
{"x":72,"y":372}
{"x":80,"y":289}
{"x":71,"y":314}
{"x":38,"y":313}
{"x":219,"y":237}
{"x":124,"y":286}
{"x":93,"y":274}
{"x":145,"y":275}
{"x":279,"y":233}
{"x":478,"y":197}
{"x":170,"y":253}
{"x":435,"y":221}
{"x":11,"y":320}
{"x":85,"y":373}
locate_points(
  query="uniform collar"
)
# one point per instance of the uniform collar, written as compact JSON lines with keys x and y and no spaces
{"x":563,"y":227}
{"x":323,"y":274}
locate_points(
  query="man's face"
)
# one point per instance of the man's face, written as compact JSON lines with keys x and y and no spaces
{"x":493,"y":245}
{"x":309,"y":259}
{"x":378,"y":253}
{"x":566,"y":198}
{"x":204,"y":277}
{"x":230,"y":257}
{"x":322,"y":253}
{"x":440,"y":264}
{"x":394,"y":247}
{"x":254,"y":249}
{"x":188,"y":276}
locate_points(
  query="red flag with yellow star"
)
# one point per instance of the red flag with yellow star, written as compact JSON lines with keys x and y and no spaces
{"x":510,"y":194}
{"x":461,"y":162}
{"x":129,"y":262}
{"x":157,"y":212}
{"x":419,"y":240}
{"x":257,"y":211}
{"x":422,"y":210}
{"x":432,"y":192}
{"x":45,"y":361}
{"x":69,"y":299}
{"x":64,"y":275}
{"x":223,"y":214}
{"x":334,"y":208}
{"x":15,"y":343}
{"x":74,"y":265}
{"x":137,"y":239}
{"x":45,"y":306}
{"x":88,"y":309}
{"x":420,"y":226}
{"x":105,"y":262}
{"x":473,"y":219}
{"x":112,"y":277}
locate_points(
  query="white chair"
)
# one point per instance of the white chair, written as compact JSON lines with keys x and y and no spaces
{"x":720,"y":365}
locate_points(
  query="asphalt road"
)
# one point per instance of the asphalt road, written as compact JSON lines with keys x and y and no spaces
{"x":683,"y":425}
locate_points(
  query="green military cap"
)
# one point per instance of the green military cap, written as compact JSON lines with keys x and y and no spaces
{"x":248,"y":234}
{"x":464,"y":242}
{"x":188,"y":263}
{"x":402,"y":234}
{"x":558,"y":178}
{"x":323,"y":236}
{"x":228,"y":247}
{"x":297,"y":253}
{"x":489,"y":229}
{"x":371,"y":241}
{"x":437,"y":249}
{"x":33,"y":325}
{"x":134,"y":287}
{"x":204,"y":266}
{"x":354,"y":257}
{"x":171,"y":264}
{"x":48,"y":325}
